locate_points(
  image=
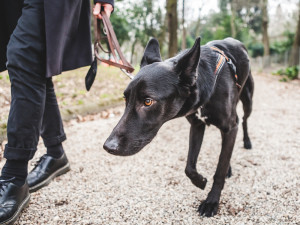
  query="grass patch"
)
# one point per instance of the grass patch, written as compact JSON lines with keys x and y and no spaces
{"x":109,"y":85}
{"x":72,"y":97}
{"x":289,"y":73}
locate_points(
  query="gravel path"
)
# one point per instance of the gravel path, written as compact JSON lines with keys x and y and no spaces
{"x":151,"y":187}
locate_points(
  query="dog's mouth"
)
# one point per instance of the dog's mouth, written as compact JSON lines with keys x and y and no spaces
{"x":114,"y":148}
{"x":122,"y":153}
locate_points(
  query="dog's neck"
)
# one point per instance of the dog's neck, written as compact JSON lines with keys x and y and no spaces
{"x":205,"y":84}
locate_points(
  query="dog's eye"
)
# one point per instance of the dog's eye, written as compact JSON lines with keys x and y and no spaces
{"x":148,"y":101}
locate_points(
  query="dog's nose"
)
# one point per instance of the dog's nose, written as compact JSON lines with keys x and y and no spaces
{"x":111,"y":145}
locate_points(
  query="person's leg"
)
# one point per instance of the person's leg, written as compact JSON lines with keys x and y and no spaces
{"x":26,"y":68}
{"x":52,"y":130}
{"x":55,"y":162}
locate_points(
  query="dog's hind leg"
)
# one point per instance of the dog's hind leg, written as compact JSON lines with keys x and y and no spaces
{"x":246,"y":98}
{"x":195,"y":142}
{"x":210,"y":206}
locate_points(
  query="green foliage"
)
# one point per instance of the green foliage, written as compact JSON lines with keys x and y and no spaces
{"x":121,"y":26}
{"x":256,"y":49}
{"x":80,"y":102}
{"x":290,"y":73}
{"x":3,"y":125}
{"x":246,"y":11}
{"x":247,"y":22}
{"x":280,"y":47}
{"x":140,"y":20}
{"x":253,"y":18}
{"x":189,"y":41}
{"x":145,"y":21}
{"x":216,"y":26}
{"x":136,"y":21}
{"x":223,"y":6}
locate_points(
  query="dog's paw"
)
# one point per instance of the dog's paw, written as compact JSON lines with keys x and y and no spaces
{"x":199,"y":181}
{"x":247,"y":144}
{"x":208,"y":208}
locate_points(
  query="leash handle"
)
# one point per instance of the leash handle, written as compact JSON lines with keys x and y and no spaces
{"x":113,"y":43}
{"x":114,"y":49}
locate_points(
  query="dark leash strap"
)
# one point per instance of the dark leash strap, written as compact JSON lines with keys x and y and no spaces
{"x":114,"y":49}
{"x":222,"y":58}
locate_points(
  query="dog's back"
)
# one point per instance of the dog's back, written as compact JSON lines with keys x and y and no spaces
{"x":237,"y":52}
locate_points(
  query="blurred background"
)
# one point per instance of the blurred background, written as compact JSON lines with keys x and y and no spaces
{"x":270,"y":29}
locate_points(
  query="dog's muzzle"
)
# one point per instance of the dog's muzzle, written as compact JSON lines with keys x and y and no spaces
{"x":111,"y":145}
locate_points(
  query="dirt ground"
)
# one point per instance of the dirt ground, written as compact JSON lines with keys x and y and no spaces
{"x":151,"y":187}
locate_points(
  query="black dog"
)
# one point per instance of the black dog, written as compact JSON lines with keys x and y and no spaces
{"x":202,"y":78}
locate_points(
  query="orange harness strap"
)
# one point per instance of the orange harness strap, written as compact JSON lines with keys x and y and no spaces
{"x":222,"y":58}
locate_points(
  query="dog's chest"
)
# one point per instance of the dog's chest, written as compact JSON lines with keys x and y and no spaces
{"x":201,"y":116}
{"x":207,"y":116}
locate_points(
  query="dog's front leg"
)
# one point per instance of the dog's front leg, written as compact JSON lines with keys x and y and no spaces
{"x":196,"y":137}
{"x":210,"y":206}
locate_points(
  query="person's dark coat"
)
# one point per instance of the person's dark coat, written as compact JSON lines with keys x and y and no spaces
{"x":10,"y":11}
{"x":67,"y":32}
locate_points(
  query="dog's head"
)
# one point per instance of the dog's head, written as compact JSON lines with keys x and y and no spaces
{"x":156,"y":94}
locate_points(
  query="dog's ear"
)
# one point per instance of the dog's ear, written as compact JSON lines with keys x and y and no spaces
{"x":187,"y":65}
{"x":151,"y":54}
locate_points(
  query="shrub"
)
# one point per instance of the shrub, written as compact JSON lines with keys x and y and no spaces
{"x":290,"y":73}
{"x":256,"y":49}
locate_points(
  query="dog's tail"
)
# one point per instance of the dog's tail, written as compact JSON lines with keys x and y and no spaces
{"x":248,"y":87}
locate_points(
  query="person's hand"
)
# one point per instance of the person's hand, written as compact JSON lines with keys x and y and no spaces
{"x":107,"y":8}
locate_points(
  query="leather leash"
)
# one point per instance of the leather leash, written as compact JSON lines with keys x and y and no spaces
{"x":113,"y":45}
{"x":114,"y":49}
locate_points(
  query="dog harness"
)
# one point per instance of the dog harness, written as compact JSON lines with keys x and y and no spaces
{"x":222,"y":58}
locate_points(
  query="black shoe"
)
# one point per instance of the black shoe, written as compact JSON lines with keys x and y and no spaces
{"x":46,"y":169}
{"x":13,"y":199}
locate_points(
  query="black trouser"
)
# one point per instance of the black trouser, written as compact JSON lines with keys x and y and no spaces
{"x":34,"y":109}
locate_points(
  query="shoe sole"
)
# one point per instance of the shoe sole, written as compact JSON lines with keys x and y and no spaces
{"x":44,"y":183}
{"x":13,"y":219}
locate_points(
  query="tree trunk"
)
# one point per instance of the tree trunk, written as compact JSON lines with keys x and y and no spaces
{"x":232,"y":19}
{"x":132,"y":50}
{"x":183,"y":42}
{"x":162,"y":35}
{"x":150,"y":11}
{"x":198,"y":25}
{"x":265,"y":22}
{"x":172,"y":26}
{"x":294,"y":56}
